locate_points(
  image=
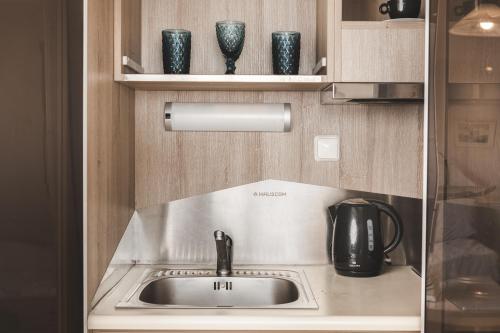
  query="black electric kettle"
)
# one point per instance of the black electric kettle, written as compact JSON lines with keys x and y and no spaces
{"x":355,"y":236}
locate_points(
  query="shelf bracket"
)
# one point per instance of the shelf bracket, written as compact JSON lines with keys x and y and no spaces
{"x":133,"y":65}
{"x":319,"y":66}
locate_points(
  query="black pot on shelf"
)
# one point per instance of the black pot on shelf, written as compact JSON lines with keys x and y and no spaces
{"x":401,"y":8}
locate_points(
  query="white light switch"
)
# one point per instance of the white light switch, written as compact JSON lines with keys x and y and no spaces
{"x":326,"y":148}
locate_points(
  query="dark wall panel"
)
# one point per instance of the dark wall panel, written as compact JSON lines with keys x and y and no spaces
{"x":40,"y":165}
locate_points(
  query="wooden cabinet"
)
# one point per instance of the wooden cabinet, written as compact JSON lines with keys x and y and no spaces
{"x":138,"y":49}
{"x":368,"y":48}
{"x":338,"y":37}
{"x":381,"y":52}
{"x":132,"y":162}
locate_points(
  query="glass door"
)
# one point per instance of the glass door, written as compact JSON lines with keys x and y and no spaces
{"x":463,"y":189}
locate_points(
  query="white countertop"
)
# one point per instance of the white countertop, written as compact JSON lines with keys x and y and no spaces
{"x":389,"y":302}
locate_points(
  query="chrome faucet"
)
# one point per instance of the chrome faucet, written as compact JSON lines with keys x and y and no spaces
{"x":224,"y":245}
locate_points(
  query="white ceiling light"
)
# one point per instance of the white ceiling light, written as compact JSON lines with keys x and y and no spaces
{"x":482,"y":21}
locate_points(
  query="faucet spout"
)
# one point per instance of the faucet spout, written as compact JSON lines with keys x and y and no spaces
{"x":224,"y":245}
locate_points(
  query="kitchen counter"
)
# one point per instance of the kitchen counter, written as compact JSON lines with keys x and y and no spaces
{"x":389,"y":302}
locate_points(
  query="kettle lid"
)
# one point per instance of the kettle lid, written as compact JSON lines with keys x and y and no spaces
{"x":356,"y":201}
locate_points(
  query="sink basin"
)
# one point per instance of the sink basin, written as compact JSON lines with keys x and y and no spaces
{"x":207,"y":292}
{"x":203,"y":289}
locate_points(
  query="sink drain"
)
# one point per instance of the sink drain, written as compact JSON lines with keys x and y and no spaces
{"x":224,"y":285}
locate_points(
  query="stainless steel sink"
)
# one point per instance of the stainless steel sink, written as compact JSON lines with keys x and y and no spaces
{"x":204,"y":289}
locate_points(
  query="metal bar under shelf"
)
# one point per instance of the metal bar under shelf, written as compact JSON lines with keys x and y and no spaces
{"x":366,"y":93}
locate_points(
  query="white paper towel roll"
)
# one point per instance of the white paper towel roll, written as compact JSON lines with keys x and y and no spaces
{"x":220,"y":117}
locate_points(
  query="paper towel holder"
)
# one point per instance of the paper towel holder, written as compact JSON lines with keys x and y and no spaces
{"x":227,"y":117}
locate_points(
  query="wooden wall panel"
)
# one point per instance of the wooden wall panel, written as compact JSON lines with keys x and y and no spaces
{"x":381,"y":148}
{"x":362,"y":10}
{"x":110,"y":147}
{"x":105,"y":331}
{"x":261,"y":18}
{"x":327,"y":21}
{"x":131,"y":21}
{"x":174,"y":165}
{"x":367,"y":10}
{"x":131,"y":28}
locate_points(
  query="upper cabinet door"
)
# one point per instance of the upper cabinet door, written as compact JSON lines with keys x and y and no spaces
{"x":378,"y":51}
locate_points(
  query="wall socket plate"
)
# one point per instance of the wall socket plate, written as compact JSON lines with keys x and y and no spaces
{"x":327,"y":148}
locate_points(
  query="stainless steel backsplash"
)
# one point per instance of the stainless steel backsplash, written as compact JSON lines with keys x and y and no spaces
{"x":270,"y":222}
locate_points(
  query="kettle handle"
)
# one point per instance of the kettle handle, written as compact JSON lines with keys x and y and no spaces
{"x":396,"y":220}
{"x":332,"y":210}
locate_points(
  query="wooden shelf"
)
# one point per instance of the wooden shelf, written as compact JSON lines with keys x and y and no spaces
{"x":225,"y":82}
{"x":137,"y":40}
{"x":417,"y":24}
